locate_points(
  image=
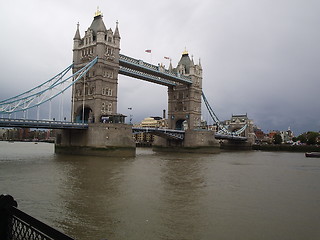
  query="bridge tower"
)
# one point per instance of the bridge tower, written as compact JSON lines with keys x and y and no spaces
{"x":184,"y":112}
{"x":95,"y":95}
{"x":184,"y":101}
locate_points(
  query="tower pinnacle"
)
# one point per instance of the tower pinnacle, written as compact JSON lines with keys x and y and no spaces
{"x":98,"y":12}
{"x":185,"y":52}
{"x":116,"y":32}
{"x":77,"y":34}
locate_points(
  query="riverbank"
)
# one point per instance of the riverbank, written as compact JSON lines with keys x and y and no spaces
{"x":287,"y":148}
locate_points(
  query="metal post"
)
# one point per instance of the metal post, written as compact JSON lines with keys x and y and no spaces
{"x":72,"y":109}
{"x":130,"y":119}
{"x":84,"y":93}
{"x":6,"y":201}
{"x":62,"y":95}
{"x":38,"y":108}
{"x":50,"y":109}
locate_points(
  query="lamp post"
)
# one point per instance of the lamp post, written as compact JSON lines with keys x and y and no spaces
{"x":130,"y":118}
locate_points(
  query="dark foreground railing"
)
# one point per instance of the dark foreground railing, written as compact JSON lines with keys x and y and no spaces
{"x":17,"y":225}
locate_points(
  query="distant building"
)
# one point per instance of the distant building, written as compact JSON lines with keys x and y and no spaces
{"x":150,"y":122}
{"x":271,"y":135}
{"x":287,"y":135}
{"x":25,"y":134}
{"x":260,"y":135}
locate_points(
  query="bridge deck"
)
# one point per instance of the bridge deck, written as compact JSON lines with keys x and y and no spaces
{"x":230,"y":137}
{"x":27,"y":123}
{"x":139,"y":69}
{"x":163,"y":132}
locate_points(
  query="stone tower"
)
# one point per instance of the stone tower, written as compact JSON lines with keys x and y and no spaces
{"x":95,"y":96}
{"x":184,"y":101}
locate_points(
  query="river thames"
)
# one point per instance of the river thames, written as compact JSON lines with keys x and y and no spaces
{"x":230,"y":195}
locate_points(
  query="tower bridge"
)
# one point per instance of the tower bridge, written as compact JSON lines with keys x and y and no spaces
{"x":96,"y":127}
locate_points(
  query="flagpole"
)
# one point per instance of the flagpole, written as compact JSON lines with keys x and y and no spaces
{"x":150,"y":52}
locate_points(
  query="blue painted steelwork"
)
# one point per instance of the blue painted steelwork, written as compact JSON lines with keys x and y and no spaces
{"x":44,"y":92}
{"x":167,"y":133}
{"x":230,"y":137}
{"x":52,"y":81}
{"x":144,"y":76}
{"x":27,"y":123}
{"x":156,"y":71}
{"x":223,"y":132}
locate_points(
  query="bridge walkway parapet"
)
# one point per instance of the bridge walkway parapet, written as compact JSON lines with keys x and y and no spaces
{"x":162,"y":132}
{"x":132,"y":65}
{"x":47,"y":124}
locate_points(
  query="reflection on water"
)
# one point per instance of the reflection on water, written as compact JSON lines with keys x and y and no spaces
{"x":231,"y":195}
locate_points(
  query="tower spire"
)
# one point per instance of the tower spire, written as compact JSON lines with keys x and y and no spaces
{"x":77,"y":35}
{"x":116,"y":31}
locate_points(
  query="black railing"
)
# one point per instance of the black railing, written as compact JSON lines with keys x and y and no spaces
{"x":17,"y":225}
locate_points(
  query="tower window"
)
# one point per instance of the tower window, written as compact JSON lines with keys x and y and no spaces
{"x":107,"y":91}
{"x":110,"y":107}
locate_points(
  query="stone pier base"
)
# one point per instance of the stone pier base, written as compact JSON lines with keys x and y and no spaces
{"x":100,"y":139}
{"x":195,"y":141}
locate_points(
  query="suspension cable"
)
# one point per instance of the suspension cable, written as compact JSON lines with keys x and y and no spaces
{"x":44,"y":92}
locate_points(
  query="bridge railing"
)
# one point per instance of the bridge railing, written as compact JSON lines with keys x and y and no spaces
{"x":164,"y":132}
{"x":8,"y":122}
{"x":17,"y":225}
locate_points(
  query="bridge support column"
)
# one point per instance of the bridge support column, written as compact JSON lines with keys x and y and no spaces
{"x":195,"y":141}
{"x":100,"y":139}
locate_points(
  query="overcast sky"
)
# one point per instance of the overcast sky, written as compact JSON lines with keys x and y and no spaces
{"x":260,"y":57}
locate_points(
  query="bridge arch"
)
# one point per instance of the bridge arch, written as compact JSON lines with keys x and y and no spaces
{"x":181,"y":124}
{"x":235,"y":129}
{"x":84,"y":114}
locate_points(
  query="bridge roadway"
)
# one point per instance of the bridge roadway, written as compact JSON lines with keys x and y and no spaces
{"x":230,"y":137}
{"x":162,"y":132}
{"x":47,"y":124}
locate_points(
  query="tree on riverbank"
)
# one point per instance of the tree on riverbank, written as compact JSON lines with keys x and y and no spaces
{"x":310,"y":138}
{"x":277,"y":139}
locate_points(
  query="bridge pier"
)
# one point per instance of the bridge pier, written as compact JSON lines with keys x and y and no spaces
{"x":239,"y":145}
{"x":100,"y":139}
{"x":195,"y":141}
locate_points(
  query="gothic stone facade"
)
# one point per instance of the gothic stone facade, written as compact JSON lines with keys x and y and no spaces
{"x":98,"y":88}
{"x":184,"y":101}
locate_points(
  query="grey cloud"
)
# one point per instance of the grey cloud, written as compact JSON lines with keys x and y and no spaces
{"x":258,"y":57}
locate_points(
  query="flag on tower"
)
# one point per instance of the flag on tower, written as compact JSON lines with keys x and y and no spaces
{"x":166,"y":57}
{"x":148,"y":51}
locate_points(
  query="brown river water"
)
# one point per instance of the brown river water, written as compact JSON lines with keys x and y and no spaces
{"x":230,"y":195}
